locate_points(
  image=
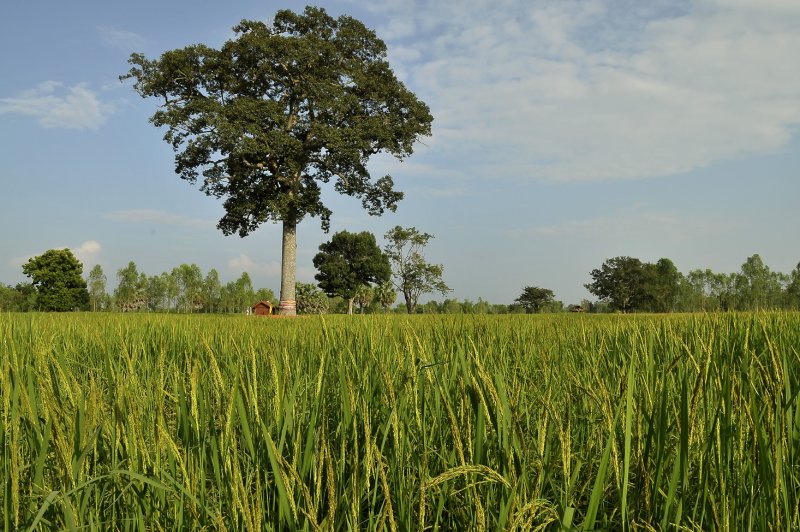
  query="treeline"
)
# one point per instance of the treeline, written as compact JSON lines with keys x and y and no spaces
{"x":621,"y":284}
{"x":184,"y":289}
{"x":626,"y":284}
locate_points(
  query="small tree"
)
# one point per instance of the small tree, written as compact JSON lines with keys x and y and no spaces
{"x":97,"y":286}
{"x":386,"y":295}
{"x":212,"y":291}
{"x":363,"y":297}
{"x":412,"y":275}
{"x":535,"y":299}
{"x":130,"y":293}
{"x":349,"y":261}
{"x":278,"y":111}
{"x":57,"y":277}
{"x":310,"y":300}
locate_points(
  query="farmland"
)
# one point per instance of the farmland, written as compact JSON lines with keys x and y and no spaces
{"x":400,"y":422}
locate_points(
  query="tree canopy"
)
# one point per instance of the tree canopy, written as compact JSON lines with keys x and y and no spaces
{"x":412,"y":274}
{"x":620,"y":282}
{"x":534,"y":298}
{"x":348,"y":261}
{"x":57,"y":278}
{"x":279,"y":110}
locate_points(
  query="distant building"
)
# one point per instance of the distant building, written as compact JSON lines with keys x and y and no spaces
{"x":263,"y":308}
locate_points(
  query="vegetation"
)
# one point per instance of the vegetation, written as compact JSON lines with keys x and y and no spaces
{"x":279,"y":110}
{"x":311,"y":300}
{"x":658,"y":288}
{"x":412,"y":275}
{"x":400,"y":423}
{"x":535,"y":299}
{"x":628,"y":285}
{"x":348,"y":262}
{"x":56,"y":278}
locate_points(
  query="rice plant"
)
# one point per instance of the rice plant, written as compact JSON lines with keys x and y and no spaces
{"x":566,"y":422}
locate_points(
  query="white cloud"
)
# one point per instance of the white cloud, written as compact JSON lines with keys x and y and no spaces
{"x":158,"y":217}
{"x":56,"y":106}
{"x":569,"y":91}
{"x":244,"y":263}
{"x":116,"y":38}
{"x":87,"y":252}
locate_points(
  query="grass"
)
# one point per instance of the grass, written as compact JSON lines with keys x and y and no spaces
{"x":566,"y":422}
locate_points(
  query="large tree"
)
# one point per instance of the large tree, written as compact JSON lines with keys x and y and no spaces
{"x":660,"y":284}
{"x":57,"y":277}
{"x":621,"y":282}
{"x":535,"y":299}
{"x":412,"y":274}
{"x":279,"y":110}
{"x":348,"y":261}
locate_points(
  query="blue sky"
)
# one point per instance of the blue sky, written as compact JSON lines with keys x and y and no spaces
{"x":565,"y":132}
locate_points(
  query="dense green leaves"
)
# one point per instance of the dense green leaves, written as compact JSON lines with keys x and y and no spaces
{"x":349,"y":261}
{"x":56,"y":276}
{"x":628,"y":284}
{"x":534,"y":299}
{"x":621,"y":281}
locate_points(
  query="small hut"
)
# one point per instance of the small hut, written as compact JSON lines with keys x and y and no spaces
{"x":263,"y":308}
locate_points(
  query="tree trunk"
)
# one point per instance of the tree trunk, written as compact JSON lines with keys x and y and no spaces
{"x":409,"y":303}
{"x":288,"y":305}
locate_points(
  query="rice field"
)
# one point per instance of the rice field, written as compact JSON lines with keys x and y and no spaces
{"x":562,"y":422}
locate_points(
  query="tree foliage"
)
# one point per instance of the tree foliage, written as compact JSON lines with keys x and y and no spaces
{"x":412,"y":274}
{"x":619,"y":281}
{"x":96,"y":283}
{"x":364,"y":296}
{"x":534,"y":299}
{"x":56,"y":275}
{"x":278,"y":111}
{"x":311,"y":300}
{"x":385,"y":295}
{"x":628,"y":284}
{"x":349,"y":261}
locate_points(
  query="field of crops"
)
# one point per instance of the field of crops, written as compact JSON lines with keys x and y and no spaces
{"x":573,"y":422}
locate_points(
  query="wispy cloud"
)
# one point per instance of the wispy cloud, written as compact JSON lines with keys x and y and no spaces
{"x":631,"y":224}
{"x":86,"y":252}
{"x":56,"y":106}
{"x":158,"y":217}
{"x":123,"y":39}
{"x":568,"y":91}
